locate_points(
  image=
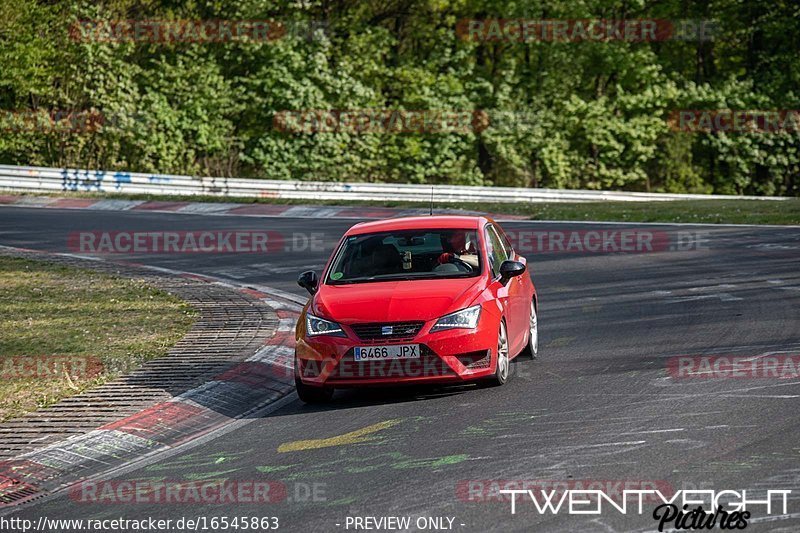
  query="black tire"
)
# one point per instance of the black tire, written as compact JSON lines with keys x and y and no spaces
{"x":312,"y":395}
{"x":532,"y":348}
{"x":502,"y":367}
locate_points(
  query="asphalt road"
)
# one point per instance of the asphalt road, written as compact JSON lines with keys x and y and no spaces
{"x":597,"y":405}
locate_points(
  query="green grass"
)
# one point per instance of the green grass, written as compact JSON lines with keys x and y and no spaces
{"x":682,"y":211}
{"x":51,"y":310}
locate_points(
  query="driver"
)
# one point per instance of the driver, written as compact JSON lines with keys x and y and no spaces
{"x":460,"y":250}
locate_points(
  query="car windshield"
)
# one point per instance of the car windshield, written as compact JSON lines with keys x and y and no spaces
{"x":406,"y":255}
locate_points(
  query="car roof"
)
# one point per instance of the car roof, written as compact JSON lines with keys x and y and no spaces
{"x":423,"y":222}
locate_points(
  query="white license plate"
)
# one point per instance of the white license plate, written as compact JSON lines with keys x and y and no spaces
{"x":380,"y":353}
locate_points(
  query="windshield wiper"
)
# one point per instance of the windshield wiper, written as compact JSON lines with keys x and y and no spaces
{"x":377,"y":278}
{"x":422,"y":275}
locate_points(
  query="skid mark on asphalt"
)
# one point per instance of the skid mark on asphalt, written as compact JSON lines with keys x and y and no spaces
{"x":559,"y":342}
{"x":353,"y":465}
{"x":716,"y":294}
{"x":606,"y":444}
{"x":217,"y":474}
{"x":353,"y":437}
{"x":499,"y":425}
{"x":276,"y":468}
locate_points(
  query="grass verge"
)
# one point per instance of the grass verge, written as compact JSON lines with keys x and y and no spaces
{"x":780,"y":212}
{"x":681,"y":211}
{"x":55,"y":319}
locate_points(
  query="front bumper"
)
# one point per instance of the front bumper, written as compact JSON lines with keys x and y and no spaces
{"x":450,"y":356}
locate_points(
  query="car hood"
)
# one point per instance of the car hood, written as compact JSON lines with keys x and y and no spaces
{"x":395,"y":301}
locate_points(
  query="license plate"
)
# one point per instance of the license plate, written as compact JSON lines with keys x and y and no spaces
{"x":380,"y":353}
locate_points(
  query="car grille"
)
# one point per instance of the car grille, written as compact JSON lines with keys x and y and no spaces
{"x":375,"y":331}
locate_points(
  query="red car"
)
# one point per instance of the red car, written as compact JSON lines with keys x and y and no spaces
{"x":439,"y":299}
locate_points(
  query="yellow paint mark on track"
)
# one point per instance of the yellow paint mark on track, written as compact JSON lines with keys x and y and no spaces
{"x":354,"y":437}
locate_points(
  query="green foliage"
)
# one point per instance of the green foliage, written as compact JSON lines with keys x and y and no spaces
{"x":560,"y":114}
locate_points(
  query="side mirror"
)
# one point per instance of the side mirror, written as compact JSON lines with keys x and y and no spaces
{"x":510,"y":269}
{"x":309,"y":281}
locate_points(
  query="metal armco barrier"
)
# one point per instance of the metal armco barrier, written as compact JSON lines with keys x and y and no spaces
{"x":49,"y":180}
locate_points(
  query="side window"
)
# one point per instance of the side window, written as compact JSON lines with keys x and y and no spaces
{"x":506,"y":245}
{"x":494,"y":247}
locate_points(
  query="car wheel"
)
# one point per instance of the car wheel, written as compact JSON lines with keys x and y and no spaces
{"x":310,"y":394}
{"x":532,"y":349}
{"x":501,"y":370}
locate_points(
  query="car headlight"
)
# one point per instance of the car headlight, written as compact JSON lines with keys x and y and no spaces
{"x":319,"y":326}
{"x":466,"y":319}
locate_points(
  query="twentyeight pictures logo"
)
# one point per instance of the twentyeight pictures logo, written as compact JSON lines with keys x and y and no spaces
{"x":683,"y":509}
{"x":673,"y":509}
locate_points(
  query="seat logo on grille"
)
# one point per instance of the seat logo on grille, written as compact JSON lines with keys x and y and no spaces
{"x":387,"y":330}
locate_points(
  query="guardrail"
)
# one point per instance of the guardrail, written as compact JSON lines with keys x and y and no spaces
{"x":50,"y":180}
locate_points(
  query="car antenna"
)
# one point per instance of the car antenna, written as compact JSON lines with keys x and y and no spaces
{"x":431,"y":211}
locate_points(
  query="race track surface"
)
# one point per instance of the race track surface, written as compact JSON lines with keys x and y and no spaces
{"x":598,"y":405}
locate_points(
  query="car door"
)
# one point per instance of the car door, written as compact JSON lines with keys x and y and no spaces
{"x":520,"y":289}
{"x":510,"y":293}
